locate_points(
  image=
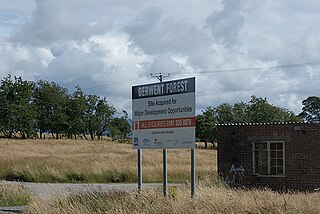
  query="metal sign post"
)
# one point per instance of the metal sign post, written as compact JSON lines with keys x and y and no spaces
{"x":165,"y":173}
{"x":193,"y":172}
{"x":139,"y":170}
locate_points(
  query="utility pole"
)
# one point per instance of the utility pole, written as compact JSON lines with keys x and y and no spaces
{"x":160,"y":77}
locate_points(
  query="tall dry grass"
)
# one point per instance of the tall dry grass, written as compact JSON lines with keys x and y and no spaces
{"x":13,"y":195}
{"x":101,"y":161}
{"x":209,"y":199}
{"x":94,"y":161}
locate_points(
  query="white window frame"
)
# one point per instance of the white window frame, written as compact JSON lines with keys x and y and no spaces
{"x":269,"y":159}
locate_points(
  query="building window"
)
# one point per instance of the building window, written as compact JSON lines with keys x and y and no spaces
{"x":268,"y":158}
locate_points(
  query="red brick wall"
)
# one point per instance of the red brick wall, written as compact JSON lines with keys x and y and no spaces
{"x":302,"y":154}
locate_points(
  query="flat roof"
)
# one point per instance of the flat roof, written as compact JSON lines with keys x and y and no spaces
{"x":260,"y":124}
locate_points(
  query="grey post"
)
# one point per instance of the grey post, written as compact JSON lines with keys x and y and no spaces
{"x":165,"y":174}
{"x":139,"y":170}
{"x":193,"y":172}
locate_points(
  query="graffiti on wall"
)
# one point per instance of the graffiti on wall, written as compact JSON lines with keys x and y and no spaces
{"x":235,"y":175}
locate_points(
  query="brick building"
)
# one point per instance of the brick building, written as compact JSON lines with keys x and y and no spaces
{"x":276,"y":155}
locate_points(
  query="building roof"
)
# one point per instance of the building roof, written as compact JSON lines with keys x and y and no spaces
{"x":261,"y":124}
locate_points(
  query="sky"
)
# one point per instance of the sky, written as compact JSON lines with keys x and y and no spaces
{"x":107,"y":46}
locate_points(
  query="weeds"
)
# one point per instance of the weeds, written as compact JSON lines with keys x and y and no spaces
{"x":13,"y":195}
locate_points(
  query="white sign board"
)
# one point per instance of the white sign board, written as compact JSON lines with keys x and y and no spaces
{"x":163,"y":115}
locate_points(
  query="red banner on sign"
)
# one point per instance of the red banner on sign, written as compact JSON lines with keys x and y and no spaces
{"x":167,"y":123}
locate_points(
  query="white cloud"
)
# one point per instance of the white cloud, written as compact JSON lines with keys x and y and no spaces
{"x":226,"y":24}
{"x":22,"y":61}
{"x":18,"y":5}
{"x":13,"y":14}
{"x":59,"y":20}
{"x":119,"y":43}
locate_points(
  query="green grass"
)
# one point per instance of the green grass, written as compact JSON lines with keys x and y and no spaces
{"x":13,"y":196}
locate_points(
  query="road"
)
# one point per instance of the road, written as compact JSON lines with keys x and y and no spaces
{"x":46,"y":191}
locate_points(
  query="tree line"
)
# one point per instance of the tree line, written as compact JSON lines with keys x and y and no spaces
{"x":257,"y":110}
{"x":30,"y":109}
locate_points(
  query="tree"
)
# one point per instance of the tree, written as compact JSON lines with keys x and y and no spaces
{"x":260,"y":111}
{"x":16,"y":110}
{"x":98,"y":114}
{"x":311,"y":109}
{"x":240,"y":112}
{"x":120,"y":128}
{"x":224,"y":113}
{"x":205,"y":126}
{"x":26,"y":106}
{"x":50,"y":101}
{"x":75,"y":113}
{"x":257,"y":110}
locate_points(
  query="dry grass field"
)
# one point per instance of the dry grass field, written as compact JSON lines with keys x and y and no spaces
{"x":107,"y":161}
{"x":209,"y":199}
{"x":94,"y":161}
